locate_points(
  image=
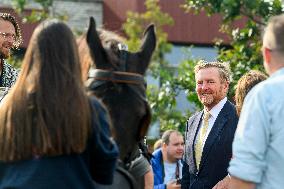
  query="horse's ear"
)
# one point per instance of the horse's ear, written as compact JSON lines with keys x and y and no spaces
{"x":96,"y":49}
{"x":147,"y":47}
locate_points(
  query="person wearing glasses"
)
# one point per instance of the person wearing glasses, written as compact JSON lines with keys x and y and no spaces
{"x":10,"y":37}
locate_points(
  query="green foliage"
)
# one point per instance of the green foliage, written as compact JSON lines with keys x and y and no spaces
{"x":161,"y":98}
{"x":15,"y":62}
{"x":245,"y":51}
{"x":257,"y":10}
{"x":37,"y":15}
{"x":186,"y":81}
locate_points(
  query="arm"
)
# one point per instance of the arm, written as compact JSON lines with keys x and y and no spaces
{"x":103,"y":150}
{"x":149,"y":179}
{"x":236,"y":183}
{"x":252,"y":139}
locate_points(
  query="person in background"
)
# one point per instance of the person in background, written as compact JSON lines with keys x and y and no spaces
{"x":166,"y":161}
{"x":10,"y":37}
{"x":157,"y":144}
{"x":245,"y":84}
{"x":210,"y":132}
{"x":257,"y":147}
{"x":44,"y":142}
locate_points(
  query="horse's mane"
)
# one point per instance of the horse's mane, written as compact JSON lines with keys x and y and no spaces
{"x":109,"y":39}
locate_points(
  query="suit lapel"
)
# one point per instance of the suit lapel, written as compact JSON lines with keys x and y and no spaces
{"x":191,"y":134}
{"x":215,"y":132}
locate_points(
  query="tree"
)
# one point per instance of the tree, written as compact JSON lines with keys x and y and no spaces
{"x":161,"y":98}
{"x":36,"y":15}
{"x":244,"y":52}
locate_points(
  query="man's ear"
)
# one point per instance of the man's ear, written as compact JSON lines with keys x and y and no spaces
{"x":266,"y":55}
{"x":227,"y":85}
{"x":164,"y":145}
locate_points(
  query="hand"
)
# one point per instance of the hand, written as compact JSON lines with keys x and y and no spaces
{"x":223,"y":184}
{"x":173,"y":185}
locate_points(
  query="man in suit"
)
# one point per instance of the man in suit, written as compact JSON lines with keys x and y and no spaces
{"x":210,"y":132}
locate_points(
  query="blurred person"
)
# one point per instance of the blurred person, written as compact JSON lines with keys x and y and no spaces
{"x":245,"y":84}
{"x":166,"y":161}
{"x":157,"y":144}
{"x":210,"y":132}
{"x":257,"y":147}
{"x":10,"y":37}
{"x":44,"y":142}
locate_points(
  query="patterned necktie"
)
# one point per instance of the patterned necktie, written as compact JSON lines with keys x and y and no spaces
{"x":201,"y":138}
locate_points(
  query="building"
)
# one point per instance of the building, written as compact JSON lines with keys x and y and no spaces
{"x":194,"y":34}
{"x":77,"y":11}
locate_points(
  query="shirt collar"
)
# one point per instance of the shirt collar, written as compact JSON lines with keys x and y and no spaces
{"x":217,"y":108}
{"x":278,"y":72}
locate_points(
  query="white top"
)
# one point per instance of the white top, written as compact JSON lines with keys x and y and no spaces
{"x":214,"y":112}
{"x":170,"y":171}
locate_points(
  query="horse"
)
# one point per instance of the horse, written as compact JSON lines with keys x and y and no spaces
{"x":117,"y":78}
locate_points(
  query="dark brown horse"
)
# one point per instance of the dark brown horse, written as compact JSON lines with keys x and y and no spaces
{"x":117,"y":78}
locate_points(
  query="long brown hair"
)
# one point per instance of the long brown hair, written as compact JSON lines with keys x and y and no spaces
{"x":47,"y":112}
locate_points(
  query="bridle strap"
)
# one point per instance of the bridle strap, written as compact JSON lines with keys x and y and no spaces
{"x":117,"y":76}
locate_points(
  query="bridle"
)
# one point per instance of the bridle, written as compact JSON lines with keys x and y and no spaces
{"x":137,"y":84}
{"x":101,"y":77}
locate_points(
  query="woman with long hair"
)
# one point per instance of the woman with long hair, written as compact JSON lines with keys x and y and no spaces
{"x":51,"y":134}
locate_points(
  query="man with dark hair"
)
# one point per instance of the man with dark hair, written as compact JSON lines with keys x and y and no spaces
{"x":166,"y":161}
{"x":210,"y":132}
{"x":258,"y":144}
{"x":10,"y":37}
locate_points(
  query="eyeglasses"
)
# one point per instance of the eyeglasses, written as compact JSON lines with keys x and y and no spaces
{"x":8,"y":35}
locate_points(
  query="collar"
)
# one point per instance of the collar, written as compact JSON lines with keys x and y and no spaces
{"x":217,"y":108}
{"x":278,"y":72}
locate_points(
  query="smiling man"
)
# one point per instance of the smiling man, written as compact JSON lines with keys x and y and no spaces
{"x":10,"y":37}
{"x":166,"y":161}
{"x":210,"y":132}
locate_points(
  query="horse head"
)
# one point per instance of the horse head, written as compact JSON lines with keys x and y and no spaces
{"x":118,"y":80}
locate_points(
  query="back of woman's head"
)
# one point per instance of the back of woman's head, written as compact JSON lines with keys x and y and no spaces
{"x":42,"y":107}
{"x":245,"y":84}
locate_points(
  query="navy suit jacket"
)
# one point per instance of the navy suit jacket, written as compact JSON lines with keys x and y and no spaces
{"x":217,"y":150}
